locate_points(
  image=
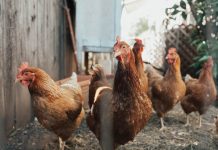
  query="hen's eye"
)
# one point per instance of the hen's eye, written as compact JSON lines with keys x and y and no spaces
{"x":124,"y":47}
{"x":25,"y":73}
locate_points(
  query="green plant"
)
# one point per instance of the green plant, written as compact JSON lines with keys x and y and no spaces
{"x":141,"y":26}
{"x":205,"y":36}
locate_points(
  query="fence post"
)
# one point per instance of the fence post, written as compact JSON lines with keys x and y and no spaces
{"x":2,"y":131}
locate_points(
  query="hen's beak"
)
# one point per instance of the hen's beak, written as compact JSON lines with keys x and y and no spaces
{"x":18,"y":80}
{"x":117,"y":53}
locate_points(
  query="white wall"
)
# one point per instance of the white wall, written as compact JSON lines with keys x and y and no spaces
{"x":97,"y":24}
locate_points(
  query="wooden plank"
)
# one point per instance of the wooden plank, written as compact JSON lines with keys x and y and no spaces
{"x":25,"y":51}
{"x":47,"y":38}
{"x":53,"y":7}
{"x":10,"y":26}
{"x":2,"y":109}
{"x":41,"y":25}
{"x":47,"y":45}
{"x":56,"y":37}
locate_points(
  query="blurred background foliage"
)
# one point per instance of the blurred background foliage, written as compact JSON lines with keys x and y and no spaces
{"x":141,"y":26}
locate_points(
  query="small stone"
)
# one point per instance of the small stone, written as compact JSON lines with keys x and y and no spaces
{"x":25,"y":132}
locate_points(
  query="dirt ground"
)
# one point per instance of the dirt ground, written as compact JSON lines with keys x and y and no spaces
{"x":175,"y":137}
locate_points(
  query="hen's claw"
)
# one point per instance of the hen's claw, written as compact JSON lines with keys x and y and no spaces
{"x":187,"y":125}
{"x":163,"y":128}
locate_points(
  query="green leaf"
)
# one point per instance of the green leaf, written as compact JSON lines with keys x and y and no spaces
{"x":202,"y":46}
{"x":199,"y":18}
{"x":196,"y":58}
{"x":183,"y":4}
{"x":175,"y":6}
{"x":172,"y":18}
{"x":184,"y":15}
{"x":198,"y":1}
{"x":195,"y":42}
{"x":166,"y":11}
{"x":195,"y":65}
{"x":202,"y":59}
{"x":175,"y":12}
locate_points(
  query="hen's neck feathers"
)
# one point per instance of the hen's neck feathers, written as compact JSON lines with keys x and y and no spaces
{"x":44,"y":86}
{"x":98,"y":76}
{"x":139,"y":63}
{"x":126,"y":79}
{"x":174,"y":70}
{"x":206,"y":73}
{"x":206,"y":77}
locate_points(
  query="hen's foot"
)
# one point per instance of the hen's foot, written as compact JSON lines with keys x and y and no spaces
{"x":163,"y":128}
{"x":187,"y":125}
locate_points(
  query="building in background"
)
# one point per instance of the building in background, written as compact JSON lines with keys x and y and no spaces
{"x":97,"y":25}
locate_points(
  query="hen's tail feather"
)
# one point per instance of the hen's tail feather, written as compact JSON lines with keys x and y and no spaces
{"x":72,"y":83}
{"x":156,"y":68}
{"x":189,"y":78}
{"x":152,"y":74}
{"x":98,"y":81}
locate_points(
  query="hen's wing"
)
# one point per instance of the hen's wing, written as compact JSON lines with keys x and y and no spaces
{"x":73,"y":92}
{"x":158,"y":89}
{"x":75,"y":102}
{"x":54,"y":113}
{"x":73,"y":113}
{"x":195,"y":88}
{"x":195,"y":98}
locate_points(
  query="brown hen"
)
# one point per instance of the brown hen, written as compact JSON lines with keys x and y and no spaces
{"x":200,"y":93}
{"x":58,"y":109}
{"x":167,"y":91}
{"x":137,"y":50}
{"x":118,"y":114}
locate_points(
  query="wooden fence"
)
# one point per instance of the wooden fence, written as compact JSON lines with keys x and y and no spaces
{"x":178,"y":37}
{"x":32,"y":31}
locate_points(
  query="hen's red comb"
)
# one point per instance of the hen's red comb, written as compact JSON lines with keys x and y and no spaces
{"x":118,"y":39}
{"x":23,"y":66}
{"x":172,"y":49}
{"x":139,"y":41}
